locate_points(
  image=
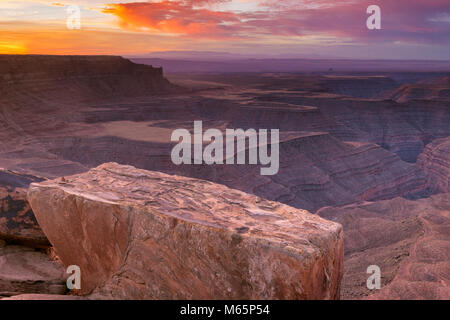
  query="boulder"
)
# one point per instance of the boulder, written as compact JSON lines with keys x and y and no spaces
{"x":139,"y":234}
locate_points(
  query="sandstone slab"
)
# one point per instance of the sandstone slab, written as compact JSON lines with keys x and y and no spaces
{"x":138,"y":234}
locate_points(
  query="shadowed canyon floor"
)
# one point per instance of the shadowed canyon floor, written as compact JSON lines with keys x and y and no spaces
{"x":356,"y":148}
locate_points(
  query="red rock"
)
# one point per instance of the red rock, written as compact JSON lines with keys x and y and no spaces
{"x":25,"y":270}
{"x":17,"y":222}
{"x":316,"y":169}
{"x":436,"y":89}
{"x":43,"y":297}
{"x":146,"y":235}
{"x":408,"y":240}
{"x":435,"y":161}
{"x":88,"y":76}
{"x":63,"y":115}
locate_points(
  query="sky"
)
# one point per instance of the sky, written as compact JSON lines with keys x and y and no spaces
{"x":410,"y":29}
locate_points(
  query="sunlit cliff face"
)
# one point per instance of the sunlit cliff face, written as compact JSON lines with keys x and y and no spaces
{"x":320,"y":27}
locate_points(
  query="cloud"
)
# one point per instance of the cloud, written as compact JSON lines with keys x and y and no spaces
{"x":179,"y":17}
{"x":414,"y":21}
{"x":38,"y":38}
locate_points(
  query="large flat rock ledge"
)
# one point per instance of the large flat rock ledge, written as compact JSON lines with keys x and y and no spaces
{"x":139,"y":234}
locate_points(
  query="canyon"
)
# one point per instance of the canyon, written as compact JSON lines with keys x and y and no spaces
{"x":369,"y":151}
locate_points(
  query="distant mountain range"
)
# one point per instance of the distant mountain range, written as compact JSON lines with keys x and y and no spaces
{"x":204,"y":62}
{"x":225,"y":56}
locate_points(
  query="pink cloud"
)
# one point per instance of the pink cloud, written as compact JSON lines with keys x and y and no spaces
{"x":413,"y":21}
{"x":179,"y":17}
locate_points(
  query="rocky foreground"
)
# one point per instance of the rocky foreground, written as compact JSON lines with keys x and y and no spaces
{"x":84,"y":76}
{"x":138,"y":234}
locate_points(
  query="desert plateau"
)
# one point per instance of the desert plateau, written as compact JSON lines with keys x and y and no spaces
{"x":86,"y":179}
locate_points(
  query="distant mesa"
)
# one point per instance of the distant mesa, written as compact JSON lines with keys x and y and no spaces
{"x":202,"y":63}
{"x":84,"y":76}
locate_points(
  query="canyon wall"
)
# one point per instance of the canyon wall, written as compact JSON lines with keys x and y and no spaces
{"x":436,"y":89}
{"x":61,"y":116}
{"x":435,"y":161}
{"x":64,"y":78}
{"x":408,"y":240}
{"x":401,"y":128}
{"x":316,"y":169}
{"x":17,"y":222}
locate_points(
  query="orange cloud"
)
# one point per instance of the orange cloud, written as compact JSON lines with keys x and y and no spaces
{"x":403,"y":20}
{"x":12,"y":48}
{"x":176,"y":18}
{"x":22,"y":38}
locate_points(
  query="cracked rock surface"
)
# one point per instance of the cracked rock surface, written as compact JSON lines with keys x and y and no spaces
{"x":140,"y":234}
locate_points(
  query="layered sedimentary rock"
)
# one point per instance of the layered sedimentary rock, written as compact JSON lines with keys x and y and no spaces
{"x":25,"y":270}
{"x":141,"y":234}
{"x":60,"y":116}
{"x":408,"y":240}
{"x":359,"y":86}
{"x":53,"y":133}
{"x":316,"y":169}
{"x":17,"y":221}
{"x":319,"y":170}
{"x":63,"y":77}
{"x":43,"y":97}
{"x":436,"y":89}
{"x":435,"y":161}
{"x":402,"y":128}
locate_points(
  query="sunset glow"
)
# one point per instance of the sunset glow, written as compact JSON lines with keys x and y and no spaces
{"x":282,"y":27}
{"x":11,"y":48}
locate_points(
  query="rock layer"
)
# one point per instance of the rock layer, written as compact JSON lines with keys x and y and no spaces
{"x":87,"y":76}
{"x":25,"y":270}
{"x":435,"y":161}
{"x":17,"y":221}
{"x":408,"y":240}
{"x":435,"y":89}
{"x":139,"y":234}
{"x":316,"y":169}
